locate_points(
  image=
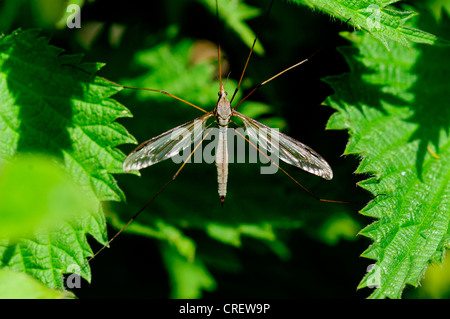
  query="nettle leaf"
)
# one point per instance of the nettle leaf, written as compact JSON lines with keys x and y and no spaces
{"x":49,"y":105}
{"x":14,"y":285}
{"x":37,"y":194}
{"x":382,"y":22}
{"x":394,"y":105}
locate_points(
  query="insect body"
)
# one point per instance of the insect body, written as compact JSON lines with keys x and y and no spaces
{"x":223,"y":114}
{"x":177,"y":139}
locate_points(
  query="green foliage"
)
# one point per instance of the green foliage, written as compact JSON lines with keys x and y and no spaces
{"x":436,"y":8}
{"x":189,"y":278}
{"x":14,"y":285}
{"x":399,"y":125}
{"x":382,"y":22}
{"x":436,"y":282}
{"x":39,"y":195}
{"x":392,"y":102}
{"x":50,"y":105}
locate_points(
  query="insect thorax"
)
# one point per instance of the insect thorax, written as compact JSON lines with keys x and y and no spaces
{"x":223,"y":111}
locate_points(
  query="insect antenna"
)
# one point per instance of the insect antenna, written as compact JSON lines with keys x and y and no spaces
{"x":218,"y":44}
{"x":251,"y":51}
{"x":273,"y":77}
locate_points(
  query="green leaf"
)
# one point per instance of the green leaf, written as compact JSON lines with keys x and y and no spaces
{"x":233,"y":235}
{"x":337,"y":227}
{"x":394,"y":106}
{"x":50,"y":104}
{"x":14,"y":285}
{"x":188,"y":277}
{"x":37,"y":194}
{"x":376,"y":18}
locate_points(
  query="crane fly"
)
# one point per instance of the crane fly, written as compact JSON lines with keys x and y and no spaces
{"x":172,"y":142}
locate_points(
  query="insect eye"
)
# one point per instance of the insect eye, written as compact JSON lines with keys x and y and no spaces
{"x":218,"y":93}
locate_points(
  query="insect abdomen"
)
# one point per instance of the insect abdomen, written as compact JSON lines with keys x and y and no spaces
{"x":222,"y":162}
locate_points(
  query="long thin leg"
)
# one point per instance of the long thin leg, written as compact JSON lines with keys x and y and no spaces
{"x":151,"y":200}
{"x":159,"y":91}
{"x":144,"y":89}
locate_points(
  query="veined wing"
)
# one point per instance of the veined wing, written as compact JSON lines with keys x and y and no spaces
{"x":289,"y":150}
{"x":166,"y":145}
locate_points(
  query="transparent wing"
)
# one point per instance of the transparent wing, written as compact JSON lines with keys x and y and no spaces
{"x":289,"y":150}
{"x":166,"y":145}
